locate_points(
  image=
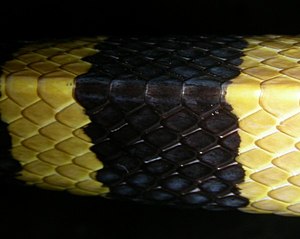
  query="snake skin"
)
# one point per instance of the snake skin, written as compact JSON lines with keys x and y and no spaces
{"x":203,"y":121}
{"x":159,"y":122}
{"x":269,"y":114}
{"x":44,"y":140}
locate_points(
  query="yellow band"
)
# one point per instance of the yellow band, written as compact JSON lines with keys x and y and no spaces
{"x":50,"y":145}
{"x":265,"y":97}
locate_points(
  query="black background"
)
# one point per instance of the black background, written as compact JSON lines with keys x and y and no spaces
{"x":54,"y":18}
{"x":32,"y":213}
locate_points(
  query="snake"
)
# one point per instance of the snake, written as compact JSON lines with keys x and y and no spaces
{"x":209,"y":121}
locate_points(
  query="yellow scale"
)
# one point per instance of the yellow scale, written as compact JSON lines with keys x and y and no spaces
{"x":50,"y":145}
{"x":266,"y":99}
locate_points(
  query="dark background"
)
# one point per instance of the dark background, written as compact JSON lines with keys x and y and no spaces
{"x":32,"y":213}
{"x":64,"y":18}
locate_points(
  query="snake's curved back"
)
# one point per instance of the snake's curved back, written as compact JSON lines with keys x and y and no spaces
{"x":199,"y":121}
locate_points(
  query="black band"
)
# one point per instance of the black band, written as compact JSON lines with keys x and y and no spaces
{"x":159,"y":122}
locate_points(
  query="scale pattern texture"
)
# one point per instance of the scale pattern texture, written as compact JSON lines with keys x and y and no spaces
{"x":266,"y":99}
{"x":49,"y":144}
{"x":192,"y":121}
{"x":158,"y":120}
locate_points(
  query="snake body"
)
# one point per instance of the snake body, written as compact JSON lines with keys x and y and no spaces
{"x":199,"y":121}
